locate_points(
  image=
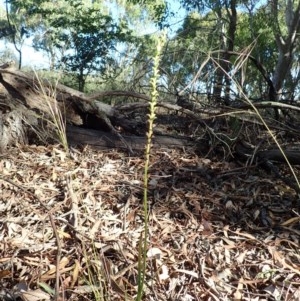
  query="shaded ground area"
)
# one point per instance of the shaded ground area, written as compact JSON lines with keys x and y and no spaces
{"x":217,"y":230}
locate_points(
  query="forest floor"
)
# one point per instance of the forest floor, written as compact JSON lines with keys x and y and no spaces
{"x":218,"y":230}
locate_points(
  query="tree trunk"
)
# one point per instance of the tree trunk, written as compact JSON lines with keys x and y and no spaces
{"x":227,"y":39}
{"x":286,"y":43}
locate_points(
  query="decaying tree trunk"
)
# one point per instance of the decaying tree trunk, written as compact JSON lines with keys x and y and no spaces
{"x":28,"y":104}
{"x":104,"y":141}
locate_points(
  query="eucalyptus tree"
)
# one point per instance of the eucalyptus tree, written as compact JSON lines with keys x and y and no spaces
{"x":157,"y":11}
{"x":87,"y":42}
{"x":254,"y":40}
{"x":267,"y":33}
{"x":225,"y":12}
{"x":14,"y":28}
{"x":185,"y":53}
{"x":275,"y":28}
{"x":145,"y":19}
{"x":285,"y":22}
{"x":79,"y":35}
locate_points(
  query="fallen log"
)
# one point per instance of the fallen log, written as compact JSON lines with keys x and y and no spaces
{"x":101,"y":140}
{"x":28,"y":102}
{"x":292,"y":155}
{"x":246,"y":151}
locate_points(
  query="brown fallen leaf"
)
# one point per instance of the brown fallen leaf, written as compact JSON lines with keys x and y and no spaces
{"x":5,"y":274}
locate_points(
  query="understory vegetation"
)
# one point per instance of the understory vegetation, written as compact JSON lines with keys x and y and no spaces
{"x":154,"y":154}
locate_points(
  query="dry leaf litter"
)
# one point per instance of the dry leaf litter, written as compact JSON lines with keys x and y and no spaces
{"x":217,"y":230}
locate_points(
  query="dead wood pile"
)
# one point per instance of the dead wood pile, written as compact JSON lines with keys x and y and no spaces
{"x":26,"y":107}
{"x":25,"y":117}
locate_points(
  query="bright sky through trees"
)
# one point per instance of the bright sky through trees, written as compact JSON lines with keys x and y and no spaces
{"x":30,"y":56}
{"x":38,"y":59}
